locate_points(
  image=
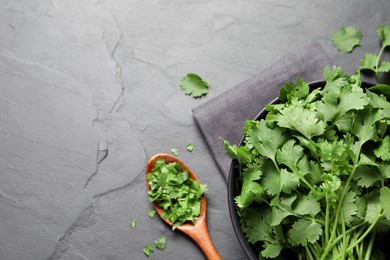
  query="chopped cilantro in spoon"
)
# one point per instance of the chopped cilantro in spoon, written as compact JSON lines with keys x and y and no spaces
{"x":175,"y":192}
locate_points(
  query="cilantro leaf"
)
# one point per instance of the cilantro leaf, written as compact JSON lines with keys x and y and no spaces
{"x":349,"y":207}
{"x":307,"y":205}
{"x":346,"y":38}
{"x":264,"y":139}
{"x":373,"y":207}
{"x":271,"y":250}
{"x":383,"y":32}
{"x":194,"y":85}
{"x":368,"y":62}
{"x":281,"y":208}
{"x":304,"y":231}
{"x":366,"y":180}
{"x":383,"y":150}
{"x":384,"y":67}
{"x":239,"y":153}
{"x":289,"y":154}
{"x":302,"y":120}
{"x":299,"y":89}
{"x":384,"y":200}
{"x":251,"y":189}
{"x":256,"y":224}
{"x":160,"y":243}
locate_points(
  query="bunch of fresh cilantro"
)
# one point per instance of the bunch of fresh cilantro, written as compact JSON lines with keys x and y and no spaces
{"x":175,"y":192}
{"x":315,"y":173}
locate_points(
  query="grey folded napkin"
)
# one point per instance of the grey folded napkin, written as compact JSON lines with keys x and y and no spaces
{"x":224,"y":115}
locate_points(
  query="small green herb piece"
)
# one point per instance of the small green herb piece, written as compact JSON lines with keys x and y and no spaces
{"x":346,"y":38}
{"x":152,"y":213}
{"x":175,"y":192}
{"x":190,"y":147}
{"x":133,"y":223}
{"x":148,"y":249}
{"x":194,"y":85}
{"x":160,"y":243}
{"x":175,"y":151}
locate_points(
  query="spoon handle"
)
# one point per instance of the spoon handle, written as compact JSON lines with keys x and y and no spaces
{"x":202,"y":237}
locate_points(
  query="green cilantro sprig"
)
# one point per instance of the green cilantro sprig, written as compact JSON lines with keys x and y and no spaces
{"x":315,"y":173}
{"x":345,"y":39}
{"x":175,"y":192}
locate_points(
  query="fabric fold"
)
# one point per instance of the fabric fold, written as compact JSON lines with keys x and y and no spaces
{"x":224,"y":115}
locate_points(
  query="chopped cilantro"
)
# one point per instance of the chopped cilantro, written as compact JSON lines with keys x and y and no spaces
{"x":160,"y":243}
{"x":346,"y":38}
{"x":152,"y":213}
{"x":148,"y":249}
{"x":315,"y":172}
{"x":175,"y":192}
{"x":194,"y":85}
{"x":175,"y":151}
{"x":190,"y":147}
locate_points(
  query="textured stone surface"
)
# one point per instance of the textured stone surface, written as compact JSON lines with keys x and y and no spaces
{"x":89,"y":91}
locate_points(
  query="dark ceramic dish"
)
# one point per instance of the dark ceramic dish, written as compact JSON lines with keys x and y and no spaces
{"x":252,"y":251}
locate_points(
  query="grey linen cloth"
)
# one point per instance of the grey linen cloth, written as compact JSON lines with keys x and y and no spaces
{"x":224,"y":115}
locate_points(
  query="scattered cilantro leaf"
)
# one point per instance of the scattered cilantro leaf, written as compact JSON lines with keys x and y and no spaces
{"x":194,"y":85}
{"x":148,"y":249}
{"x":175,"y":151}
{"x":151,"y":213}
{"x":190,"y":147}
{"x":160,"y":243}
{"x":346,"y":38}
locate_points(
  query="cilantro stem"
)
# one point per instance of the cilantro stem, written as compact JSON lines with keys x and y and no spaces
{"x":338,"y":212}
{"x":344,"y":235}
{"x":369,"y":247}
{"x":365,"y":233}
{"x":327,"y":211}
{"x":377,"y":62}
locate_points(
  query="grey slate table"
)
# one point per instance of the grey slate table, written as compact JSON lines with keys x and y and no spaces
{"x":89,"y":92}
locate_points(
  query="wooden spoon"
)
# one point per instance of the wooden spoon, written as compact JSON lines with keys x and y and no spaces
{"x":198,"y":230}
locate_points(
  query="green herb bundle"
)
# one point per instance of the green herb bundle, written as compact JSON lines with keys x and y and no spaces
{"x":175,"y":192}
{"x":315,"y":173}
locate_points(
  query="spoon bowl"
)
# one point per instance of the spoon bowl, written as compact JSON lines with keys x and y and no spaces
{"x":198,"y":230}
